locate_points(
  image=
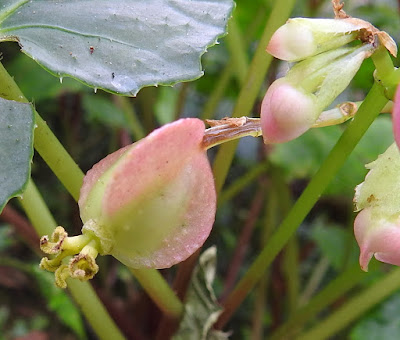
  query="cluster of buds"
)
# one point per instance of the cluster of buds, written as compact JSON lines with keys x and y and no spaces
{"x":324,"y":68}
{"x":150,"y":205}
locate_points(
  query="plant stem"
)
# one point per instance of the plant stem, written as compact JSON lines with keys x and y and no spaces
{"x":230,"y":67}
{"x":334,"y":290}
{"x":237,"y":50}
{"x":21,"y":226}
{"x":314,"y":280}
{"x":160,"y":292}
{"x":242,"y":182}
{"x":83,"y":293}
{"x":218,"y":91}
{"x":384,"y":67}
{"x":243,"y":242}
{"x":134,"y":124}
{"x":354,"y":308}
{"x":250,"y":89}
{"x":368,"y":111}
{"x":57,"y":158}
{"x":48,"y":146}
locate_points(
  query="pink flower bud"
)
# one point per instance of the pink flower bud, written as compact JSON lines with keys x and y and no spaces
{"x":301,"y":38}
{"x":153,"y":203}
{"x":379,"y":236}
{"x":286,"y":112}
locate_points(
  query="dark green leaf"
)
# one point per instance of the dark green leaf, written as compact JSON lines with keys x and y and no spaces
{"x":120,"y":45}
{"x":16,"y":148}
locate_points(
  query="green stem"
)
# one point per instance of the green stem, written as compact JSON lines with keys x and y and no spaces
{"x":248,"y":94}
{"x":384,"y":67}
{"x":314,"y":281}
{"x":48,"y":146}
{"x":160,"y":292}
{"x":134,"y":125}
{"x":368,"y":111}
{"x":57,"y":158}
{"x":237,"y":50}
{"x":225,"y":76}
{"x":218,"y":91}
{"x":242,"y":182}
{"x":83,"y":293}
{"x":354,"y":308}
{"x":334,"y":290}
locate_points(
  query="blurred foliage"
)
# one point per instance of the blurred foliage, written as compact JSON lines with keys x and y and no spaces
{"x":381,"y":323}
{"x":302,"y":157}
{"x":335,"y":243}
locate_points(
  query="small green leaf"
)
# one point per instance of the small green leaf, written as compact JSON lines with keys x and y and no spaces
{"x":120,"y":45}
{"x":201,"y":307}
{"x":16,"y":148}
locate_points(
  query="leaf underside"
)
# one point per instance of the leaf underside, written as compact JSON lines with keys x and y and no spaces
{"x":120,"y":45}
{"x":16,"y":148}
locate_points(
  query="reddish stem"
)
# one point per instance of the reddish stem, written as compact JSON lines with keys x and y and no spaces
{"x":21,"y":226}
{"x":242,"y":243}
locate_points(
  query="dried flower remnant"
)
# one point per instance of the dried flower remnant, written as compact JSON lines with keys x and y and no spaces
{"x":151,"y":205}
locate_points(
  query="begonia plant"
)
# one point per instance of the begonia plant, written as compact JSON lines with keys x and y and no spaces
{"x":161,"y":184}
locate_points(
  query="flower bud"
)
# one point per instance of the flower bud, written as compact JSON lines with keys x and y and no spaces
{"x":377,"y":226}
{"x":301,"y":38}
{"x":293,"y":104}
{"x":152,"y":203}
{"x":286,"y":112}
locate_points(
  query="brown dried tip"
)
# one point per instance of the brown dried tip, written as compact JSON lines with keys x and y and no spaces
{"x":338,"y":10}
{"x":368,"y":33}
{"x":348,"y":108}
